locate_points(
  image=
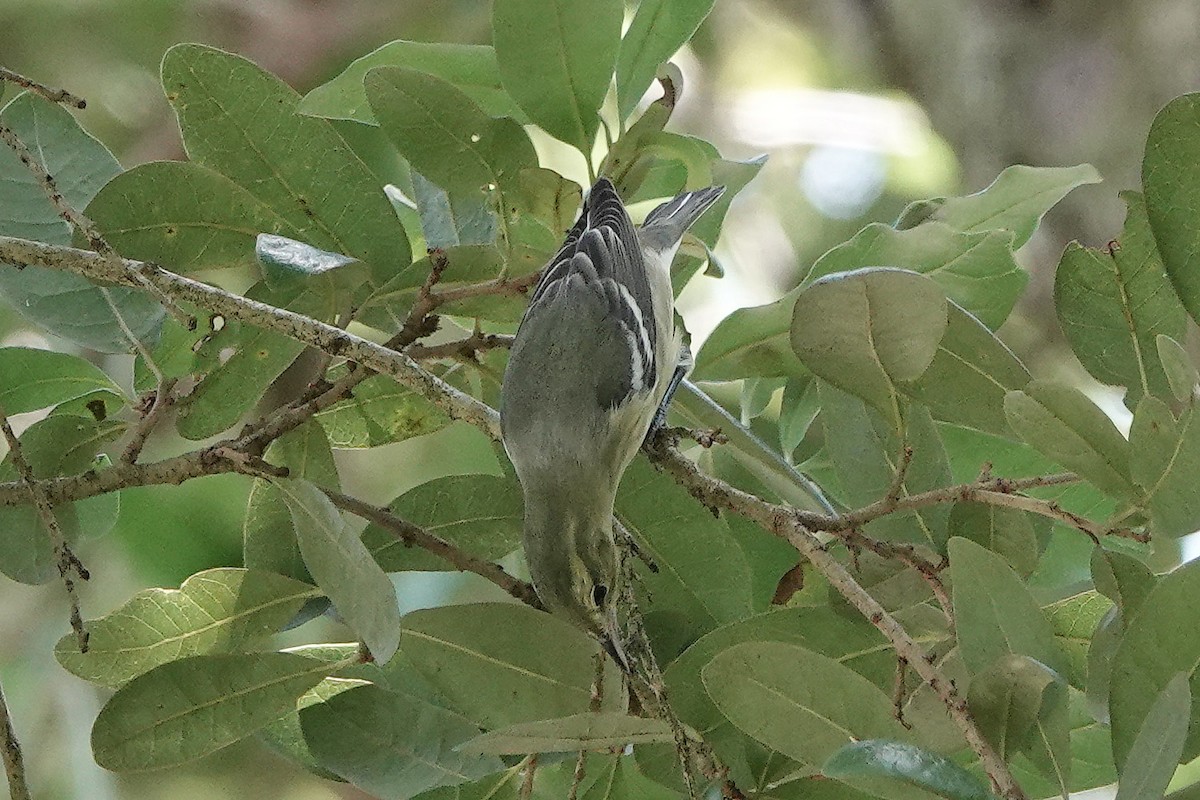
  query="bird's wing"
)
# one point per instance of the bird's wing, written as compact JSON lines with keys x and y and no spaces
{"x":595,"y":295}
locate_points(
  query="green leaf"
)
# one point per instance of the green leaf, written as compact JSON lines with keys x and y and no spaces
{"x":800,"y":703}
{"x":286,"y":737}
{"x":218,"y":610}
{"x":590,"y":731}
{"x":1060,"y":422}
{"x":1122,"y":579}
{"x":1113,"y":303}
{"x":444,"y":135}
{"x":751,"y":342}
{"x":380,"y":411}
{"x":556,"y":60}
{"x":1164,"y":459}
{"x":479,"y":514}
{"x":703,"y":579}
{"x":183,"y":215}
{"x":1158,"y":746}
{"x":240,"y":121}
{"x":864,"y":451}
{"x":60,"y":445}
{"x":1170,"y":170}
{"x":659,"y":28}
{"x":1005,"y":531}
{"x":503,"y":663}
{"x":187,"y":709}
{"x":1015,"y":201}
{"x":448,"y":221}
{"x":1151,"y":652}
{"x":31,"y":379}
{"x":471,"y":68}
{"x":900,"y":761}
{"x":1177,"y":364}
{"x":798,"y":410}
{"x":391,"y":745}
{"x":969,"y":377}
{"x":342,"y":567}
{"x":1010,"y":697}
{"x":1075,"y":619}
{"x":268,"y":537}
{"x":61,"y":302}
{"x":862,"y":331}
{"x":976,"y":270}
{"x":996,"y":614}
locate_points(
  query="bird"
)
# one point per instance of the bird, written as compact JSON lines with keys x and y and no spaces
{"x":594,"y":364}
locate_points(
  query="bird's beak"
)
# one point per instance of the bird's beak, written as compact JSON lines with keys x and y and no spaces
{"x":611,"y":639}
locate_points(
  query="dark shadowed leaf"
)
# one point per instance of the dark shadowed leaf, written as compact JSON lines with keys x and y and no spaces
{"x":1158,"y":746}
{"x":900,"y":761}
{"x":1164,"y":457}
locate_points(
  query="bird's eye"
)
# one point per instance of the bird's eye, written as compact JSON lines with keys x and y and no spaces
{"x":599,"y":593}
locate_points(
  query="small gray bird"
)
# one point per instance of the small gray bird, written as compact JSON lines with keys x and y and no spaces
{"x":594,"y":364}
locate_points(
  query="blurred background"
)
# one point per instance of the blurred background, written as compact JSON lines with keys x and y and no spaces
{"x":862,"y":105}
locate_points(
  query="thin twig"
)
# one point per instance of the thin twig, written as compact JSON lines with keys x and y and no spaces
{"x":531,"y":765}
{"x":14,"y":763}
{"x":461,"y":348}
{"x":163,"y":399}
{"x":898,"y":694}
{"x":69,"y":567}
{"x":53,"y":95}
{"x":897,"y":487}
{"x":412,"y":535}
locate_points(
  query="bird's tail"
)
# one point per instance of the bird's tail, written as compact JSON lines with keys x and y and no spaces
{"x":668,"y":222}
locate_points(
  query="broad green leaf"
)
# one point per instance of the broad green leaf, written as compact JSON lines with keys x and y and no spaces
{"x":659,"y":28}
{"x":1154,"y":648}
{"x":1075,"y":619}
{"x":1113,"y":303}
{"x":240,"y":121}
{"x":444,"y":135}
{"x":380,"y":411}
{"x":502,"y":786}
{"x":901,"y":761}
{"x":798,"y":410}
{"x":184,"y":215}
{"x":60,"y":445}
{"x":1064,"y":425}
{"x":865,"y":330}
{"x":969,"y":377}
{"x":800,"y":703}
{"x":1122,"y":579}
{"x":976,"y":270}
{"x":504,"y":663}
{"x":1100,"y":655}
{"x":61,"y":302}
{"x":1158,"y":746}
{"x":995,"y":613}
{"x":1170,"y":170}
{"x":590,"y":731}
{"x":286,"y":737}
{"x":864,"y":451}
{"x":31,"y":379}
{"x":479,"y":514}
{"x":751,"y":342}
{"x":218,"y":610}
{"x":287,"y":262}
{"x":849,"y":640}
{"x":342,"y":567}
{"x":471,"y":68}
{"x":448,"y":220}
{"x":268,"y":537}
{"x":1164,"y":456}
{"x":556,"y":60}
{"x":1091,"y":759}
{"x":1015,"y":201}
{"x":391,"y":745}
{"x":1177,"y":364}
{"x":757,"y":394}
{"x":1010,"y":698}
{"x":703,"y":579}
{"x":251,"y":360}
{"x":1005,"y":531}
{"x":187,"y":709}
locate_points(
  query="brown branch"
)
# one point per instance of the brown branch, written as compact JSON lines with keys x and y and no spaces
{"x":788,"y":524}
{"x":898,"y":695}
{"x":10,"y":748}
{"x":53,"y":95}
{"x":412,"y":534}
{"x":461,"y":348}
{"x":69,"y":567}
{"x":162,"y":399}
